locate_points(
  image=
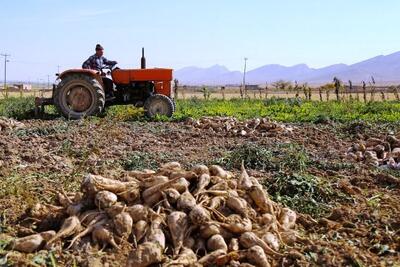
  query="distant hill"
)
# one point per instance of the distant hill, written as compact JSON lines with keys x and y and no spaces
{"x":385,"y":70}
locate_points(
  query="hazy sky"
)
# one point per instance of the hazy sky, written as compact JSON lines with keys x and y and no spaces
{"x":41,"y":34}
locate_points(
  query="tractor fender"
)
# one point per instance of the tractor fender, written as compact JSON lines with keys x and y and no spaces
{"x":92,"y":73}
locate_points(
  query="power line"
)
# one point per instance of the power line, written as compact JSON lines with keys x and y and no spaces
{"x":244,"y":74}
{"x":5,"y":55}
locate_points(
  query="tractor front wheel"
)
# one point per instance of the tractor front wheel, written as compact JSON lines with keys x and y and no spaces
{"x":159,"y":105}
{"x":79,"y":95}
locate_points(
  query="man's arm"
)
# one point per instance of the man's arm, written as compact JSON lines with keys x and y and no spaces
{"x":109,"y":62}
{"x":86,"y":64}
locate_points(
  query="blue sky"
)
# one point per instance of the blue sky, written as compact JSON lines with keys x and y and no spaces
{"x":41,"y":34}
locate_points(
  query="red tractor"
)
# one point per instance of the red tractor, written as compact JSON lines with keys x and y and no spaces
{"x":83,"y":92}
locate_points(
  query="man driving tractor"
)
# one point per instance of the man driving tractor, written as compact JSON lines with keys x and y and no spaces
{"x":88,"y":91}
{"x":98,"y":61}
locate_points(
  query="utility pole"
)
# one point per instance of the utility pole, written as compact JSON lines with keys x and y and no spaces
{"x":5,"y":55}
{"x":48,"y":81}
{"x":58,"y":69}
{"x":244,"y":75}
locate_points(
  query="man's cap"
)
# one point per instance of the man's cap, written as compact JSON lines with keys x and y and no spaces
{"x":99,"y":47}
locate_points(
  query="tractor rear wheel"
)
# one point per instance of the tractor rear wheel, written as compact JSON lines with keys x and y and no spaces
{"x":79,"y":95}
{"x":159,"y":105}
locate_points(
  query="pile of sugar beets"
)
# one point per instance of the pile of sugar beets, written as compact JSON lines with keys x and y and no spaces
{"x":377,"y":152}
{"x":171,"y":217}
{"x":232,"y":126}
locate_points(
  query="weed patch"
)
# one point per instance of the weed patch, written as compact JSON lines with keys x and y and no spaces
{"x":143,"y":160}
{"x":17,"y":107}
{"x":304,"y":193}
{"x":42,"y":131}
{"x":279,"y":157}
{"x":125,"y":113}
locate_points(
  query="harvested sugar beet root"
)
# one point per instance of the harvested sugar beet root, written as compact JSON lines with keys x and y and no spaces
{"x":205,"y":216}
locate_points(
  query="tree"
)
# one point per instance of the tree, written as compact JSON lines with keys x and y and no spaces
{"x":327,"y":89}
{"x":394,"y":90}
{"x":206,"y":93}
{"x":364,"y":87}
{"x":338,"y":86}
{"x":282,"y":85}
{"x":296,"y":89}
{"x":223,"y":92}
{"x":372,"y":86}
{"x":305,"y":90}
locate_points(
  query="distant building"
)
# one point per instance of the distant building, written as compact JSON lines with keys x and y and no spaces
{"x":23,"y":86}
{"x":252,"y":87}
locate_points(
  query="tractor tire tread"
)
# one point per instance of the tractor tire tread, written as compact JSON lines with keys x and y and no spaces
{"x":95,"y":86}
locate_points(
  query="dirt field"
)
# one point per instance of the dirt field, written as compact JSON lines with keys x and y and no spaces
{"x":358,"y":227}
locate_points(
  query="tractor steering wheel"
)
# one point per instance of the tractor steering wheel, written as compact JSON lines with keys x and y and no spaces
{"x":110,"y":68}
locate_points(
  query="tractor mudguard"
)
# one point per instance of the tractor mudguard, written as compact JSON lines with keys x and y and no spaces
{"x":92,"y":73}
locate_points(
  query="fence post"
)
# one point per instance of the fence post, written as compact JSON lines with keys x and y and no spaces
{"x":364,"y":87}
{"x":320,"y":93}
{"x":337,"y":88}
{"x":176,"y":84}
{"x":241,"y":91}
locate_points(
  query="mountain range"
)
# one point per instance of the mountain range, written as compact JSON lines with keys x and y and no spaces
{"x":384,"y":69}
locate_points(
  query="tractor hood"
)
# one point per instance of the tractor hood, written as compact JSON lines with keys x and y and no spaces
{"x":127,"y":76}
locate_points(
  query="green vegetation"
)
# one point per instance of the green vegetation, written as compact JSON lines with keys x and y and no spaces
{"x":284,"y":110}
{"x":124,"y":113}
{"x":56,"y":128}
{"x":291,"y":110}
{"x":19,"y":108}
{"x":303,"y":192}
{"x":138,"y":160}
{"x":279,"y":157}
{"x":289,"y":182}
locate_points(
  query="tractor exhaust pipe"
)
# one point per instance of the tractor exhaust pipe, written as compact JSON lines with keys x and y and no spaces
{"x":143,"y":60}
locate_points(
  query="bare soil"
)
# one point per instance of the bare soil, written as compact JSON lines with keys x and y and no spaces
{"x":43,"y":156}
